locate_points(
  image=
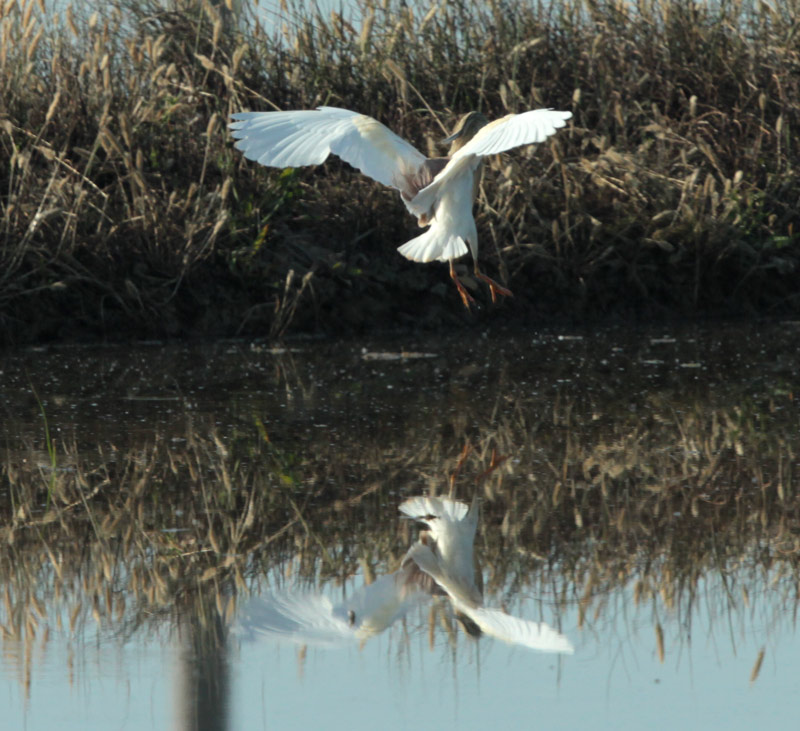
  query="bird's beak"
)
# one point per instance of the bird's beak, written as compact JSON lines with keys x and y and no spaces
{"x":453,"y":137}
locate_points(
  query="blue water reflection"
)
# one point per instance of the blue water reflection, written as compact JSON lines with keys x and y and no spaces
{"x":615,"y":679}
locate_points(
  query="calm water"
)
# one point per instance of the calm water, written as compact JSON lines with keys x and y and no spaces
{"x":646,"y":508}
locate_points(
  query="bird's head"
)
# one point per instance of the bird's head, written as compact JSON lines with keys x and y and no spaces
{"x":465,"y":129}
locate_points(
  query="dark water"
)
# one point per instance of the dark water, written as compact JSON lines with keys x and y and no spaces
{"x":642,"y":501}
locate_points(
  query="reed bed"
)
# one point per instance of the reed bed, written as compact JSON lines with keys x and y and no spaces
{"x":126,"y":212}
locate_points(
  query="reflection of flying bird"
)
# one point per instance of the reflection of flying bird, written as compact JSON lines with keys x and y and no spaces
{"x":313,"y":619}
{"x":447,"y":545}
{"x":440,"y":563}
{"x":445,"y":553}
{"x":438,"y":191}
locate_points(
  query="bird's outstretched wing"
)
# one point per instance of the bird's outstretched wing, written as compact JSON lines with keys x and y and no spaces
{"x":306,"y":618}
{"x":518,"y":631}
{"x":493,"y":622}
{"x":503,"y":134}
{"x":514,"y":130}
{"x":299,"y":618}
{"x":297,"y":138}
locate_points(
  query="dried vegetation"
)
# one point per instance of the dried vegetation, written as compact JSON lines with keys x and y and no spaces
{"x":124,"y":210}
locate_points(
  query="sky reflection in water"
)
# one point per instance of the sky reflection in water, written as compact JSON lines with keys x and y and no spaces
{"x":614,"y":680}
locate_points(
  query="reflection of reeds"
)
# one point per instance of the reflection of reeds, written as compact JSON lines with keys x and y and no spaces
{"x":593,"y":500}
{"x":124,"y":204}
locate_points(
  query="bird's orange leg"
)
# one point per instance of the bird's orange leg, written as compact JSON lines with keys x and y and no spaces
{"x":466,"y":297}
{"x":464,"y":454}
{"x":497,"y":460}
{"x":494,"y":287}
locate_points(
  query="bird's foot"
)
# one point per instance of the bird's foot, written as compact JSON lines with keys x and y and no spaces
{"x":464,"y":454}
{"x":466,"y":297}
{"x":494,"y":287}
{"x":497,"y":460}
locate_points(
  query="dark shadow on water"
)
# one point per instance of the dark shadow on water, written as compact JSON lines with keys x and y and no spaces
{"x":204,"y":675}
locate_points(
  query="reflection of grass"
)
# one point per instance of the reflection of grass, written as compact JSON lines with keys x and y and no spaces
{"x":593,"y":498}
{"x":51,"y":450}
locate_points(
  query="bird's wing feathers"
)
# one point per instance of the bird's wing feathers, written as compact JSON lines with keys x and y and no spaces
{"x":300,"y":618}
{"x":514,"y":130}
{"x":503,"y":134}
{"x":517,"y":631}
{"x":297,"y":138}
{"x":312,"y":619}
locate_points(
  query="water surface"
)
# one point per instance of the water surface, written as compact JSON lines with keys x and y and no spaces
{"x":646,"y":507}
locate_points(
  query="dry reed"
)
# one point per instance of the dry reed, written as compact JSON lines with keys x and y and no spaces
{"x":126,"y":212}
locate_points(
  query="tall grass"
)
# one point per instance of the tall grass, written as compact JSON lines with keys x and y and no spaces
{"x":126,"y":212}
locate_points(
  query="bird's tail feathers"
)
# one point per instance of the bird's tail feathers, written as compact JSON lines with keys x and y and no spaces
{"x":424,"y":508}
{"x":437,"y":243}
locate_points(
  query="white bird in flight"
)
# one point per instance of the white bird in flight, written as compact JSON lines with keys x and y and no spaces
{"x":440,"y":563}
{"x":439,"y":191}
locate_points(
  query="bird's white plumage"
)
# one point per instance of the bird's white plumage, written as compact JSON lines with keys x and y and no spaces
{"x":450,"y":524}
{"x":515,"y":130}
{"x":298,"y":617}
{"x":298,"y":138}
{"x":517,"y":631}
{"x":443,"y":559}
{"x":435,"y":244}
{"x":451,"y":532}
{"x":452,"y":228}
{"x":499,"y":136}
{"x":306,"y":618}
{"x":422,"y":508}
